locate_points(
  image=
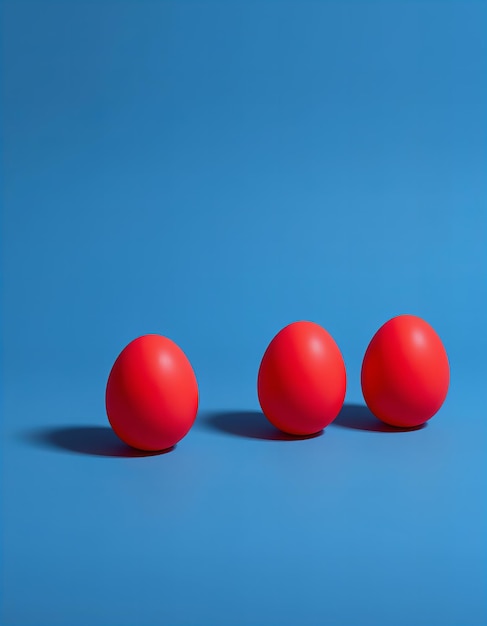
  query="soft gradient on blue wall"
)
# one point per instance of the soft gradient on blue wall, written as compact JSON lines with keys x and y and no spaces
{"x":212,"y":171}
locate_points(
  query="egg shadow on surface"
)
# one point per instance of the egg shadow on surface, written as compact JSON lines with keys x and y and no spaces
{"x":359,"y":417}
{"x":91,"y":440}
{"x":248,"y":424}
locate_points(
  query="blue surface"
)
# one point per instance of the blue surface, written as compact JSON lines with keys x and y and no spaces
{"x":212,"y":172}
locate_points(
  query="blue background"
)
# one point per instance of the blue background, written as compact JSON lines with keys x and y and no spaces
{"x":212,"y":171}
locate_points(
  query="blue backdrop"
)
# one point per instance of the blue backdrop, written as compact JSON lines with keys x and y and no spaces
{"x":212,"y":171}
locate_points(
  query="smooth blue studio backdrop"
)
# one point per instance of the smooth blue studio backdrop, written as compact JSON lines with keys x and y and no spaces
{"x":211,"y":172}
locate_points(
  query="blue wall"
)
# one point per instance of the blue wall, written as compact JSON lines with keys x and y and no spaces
{"x":212,"y":171}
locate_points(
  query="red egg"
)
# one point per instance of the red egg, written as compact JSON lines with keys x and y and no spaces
{"x":302,"y":380}
{"x":151,"y":394}
{"x":405,"y":372}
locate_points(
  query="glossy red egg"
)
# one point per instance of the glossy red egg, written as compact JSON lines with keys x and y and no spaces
{"x":151,"y":394}
{"x":405,"y":372}
{"x":302,"y":380}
